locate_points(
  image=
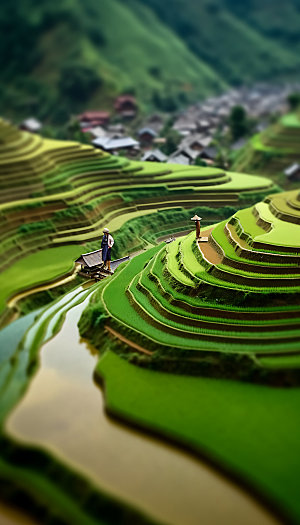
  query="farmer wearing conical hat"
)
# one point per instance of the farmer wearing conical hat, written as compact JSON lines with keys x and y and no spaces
{"x":106,"y":245}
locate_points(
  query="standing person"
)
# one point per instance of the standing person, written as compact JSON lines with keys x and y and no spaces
{"x":106,"y":245}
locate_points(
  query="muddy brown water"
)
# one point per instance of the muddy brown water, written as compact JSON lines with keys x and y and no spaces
{"x":63,"y":411}
{"x":13,"y":516}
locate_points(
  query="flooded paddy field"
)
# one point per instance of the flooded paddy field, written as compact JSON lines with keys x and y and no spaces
{"x":63,"y":411}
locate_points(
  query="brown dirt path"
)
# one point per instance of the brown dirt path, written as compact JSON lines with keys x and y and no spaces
{"x":208,"y":250}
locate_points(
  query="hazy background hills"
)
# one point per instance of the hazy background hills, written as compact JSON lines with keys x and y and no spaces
{"x":60,"y":58}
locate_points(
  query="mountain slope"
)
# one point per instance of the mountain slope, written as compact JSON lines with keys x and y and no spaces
{"x":59,"y":59}
{"x":277,"y":20}
{"x":235,"y":37}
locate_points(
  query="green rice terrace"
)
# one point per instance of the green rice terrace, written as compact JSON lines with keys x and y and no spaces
{"x":193,"y":341}
{"x":226,"y":307}
{"x":57,"y":196}
{"x":271,"y":152}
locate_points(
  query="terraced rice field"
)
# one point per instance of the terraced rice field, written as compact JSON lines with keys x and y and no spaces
{"x":272,"y":151}
{"x":227,"y":308}
{"x":202,"y":341}
{"x":55,"y":193}
{"x":237,"y":295}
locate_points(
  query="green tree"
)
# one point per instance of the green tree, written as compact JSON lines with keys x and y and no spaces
{"x":238,"y":122}
{"x":172,"y":141}
{"x":167,"y":102}
{"x":77,"y":82}
{"x":294,"y":101}
{"x":74,"y":132}
{"x":200,"y":162}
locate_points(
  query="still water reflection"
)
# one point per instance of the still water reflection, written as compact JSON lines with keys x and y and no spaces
{"x":12,"y":516}
{"x":63,"y":411}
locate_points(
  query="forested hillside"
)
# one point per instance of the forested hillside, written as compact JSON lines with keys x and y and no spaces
{"x":61,"y":58}
{"x":242,"y":41}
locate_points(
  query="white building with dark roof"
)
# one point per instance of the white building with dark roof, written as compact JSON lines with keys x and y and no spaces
{"x":154,"y":155}
{"x":292,"y":172}
{"x":179,"y":158}
{"x":115,"y":144}
{"x":31,"y":124}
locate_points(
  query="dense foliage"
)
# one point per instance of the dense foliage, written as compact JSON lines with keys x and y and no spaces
{"x":59,"y":58}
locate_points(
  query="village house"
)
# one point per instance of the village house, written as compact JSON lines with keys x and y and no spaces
{"x":146,"y":136}
{"x":31,"y":124}
{"x":154,"y":155}
{"x":113,"y":132}
{"x":92,"y":119}
{"x":126,"y":106}
{"x":208,"y":110}
{"x":155,"y":122}
{"x":209,"y":154}
{"x":114,"y":145}
{"x":191,"y":154}
{"x":223,"y":112}
{"x":185,"y":125}
{"x":293,"y":172}
{"x":159,"y":141}
{"x":96,"y":132}
{"x":203,"y":124}
{"x":117,"y":129}
{"x":196,"y":142}
{"x":178,"y":158}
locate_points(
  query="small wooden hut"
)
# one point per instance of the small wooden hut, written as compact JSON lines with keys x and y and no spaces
{"x":90,"y":263}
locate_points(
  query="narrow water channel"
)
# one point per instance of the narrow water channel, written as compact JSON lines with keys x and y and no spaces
{"x":63,"y":411}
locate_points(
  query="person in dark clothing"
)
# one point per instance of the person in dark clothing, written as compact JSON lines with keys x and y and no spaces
{"x":106,"y":245}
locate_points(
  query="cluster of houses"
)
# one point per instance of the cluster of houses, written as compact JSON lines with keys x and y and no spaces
{"x":201,"y":121}
{"x":146,"y":146}
{"x":196,"y":126}
{"x":147,"y":140}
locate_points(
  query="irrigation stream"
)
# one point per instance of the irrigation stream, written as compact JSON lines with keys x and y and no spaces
{"x":63,"y":411}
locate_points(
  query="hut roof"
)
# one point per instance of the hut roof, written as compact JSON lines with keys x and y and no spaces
{"x":155,"y":154}
{"x":94,"y":116}
{"x":32,"y":124}
{"x":109,"y":144}
{"x":90,"y":259}
{"x":147,"y":130}
{"x":178,"y":159}
{"x":292,"y":170}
